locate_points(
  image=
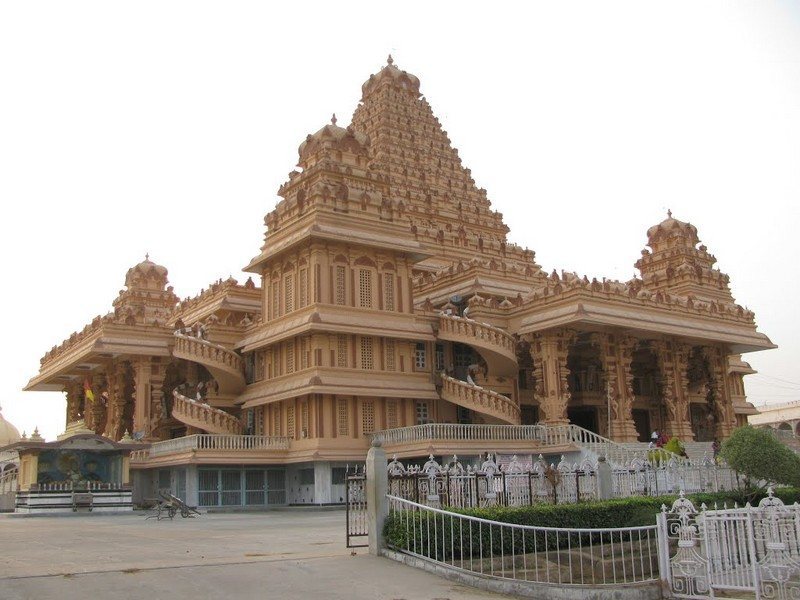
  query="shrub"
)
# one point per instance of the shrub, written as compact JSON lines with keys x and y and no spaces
{"x":761,"y":458}
{"x":675,"y":446}
{"x":405,"y":529}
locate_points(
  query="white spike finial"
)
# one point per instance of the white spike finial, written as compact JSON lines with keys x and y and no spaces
{"x":333,"y":119}
{"x":390,"y":60}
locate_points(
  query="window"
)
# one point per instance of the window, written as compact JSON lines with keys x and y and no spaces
{"x":389,"y":347}
{"x":276,"y":299}
{"x":391,"y":413}
{"x":420,"y":356}
{"x":288,"y":294}
{"x":422,"y":412}
{"x":342,"y":426}
{"x":365,"y":288}
{"x":290,"y":430}
{"x":303,"y":288}
{"x":341,"y":296}
{"x":439,"y":358}
{"x":290,"y":357}
{"x":338,"y":475}
{"x":367,"y":416}
{"x":366,"y":353}
{"x":304,"y":353}
{"x":341,"y":351}
{"x":388,"y":291}
{"x":304,"y":418}
{"x":306,"y":476}
{"x":275,"y":421}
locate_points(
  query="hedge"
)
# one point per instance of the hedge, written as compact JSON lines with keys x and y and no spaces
{"x":636,"y":511}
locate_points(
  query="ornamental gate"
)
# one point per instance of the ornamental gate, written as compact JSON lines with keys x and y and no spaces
{"x":356,"y":508}
{"x":753,"y":550}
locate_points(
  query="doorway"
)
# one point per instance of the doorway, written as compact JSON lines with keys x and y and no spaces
{"x":641,"y":420}
{"x":583,"y":416}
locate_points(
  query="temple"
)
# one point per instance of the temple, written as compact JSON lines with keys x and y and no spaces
{"x":391,"y":306}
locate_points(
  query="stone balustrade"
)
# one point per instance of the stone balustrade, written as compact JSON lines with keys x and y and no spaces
{"x":209,"y":442}
{"x":480,"y":400}
{"x":203,"y":416}
{"x":484,"y":334}
{"x":206,"y":352}
{"x":461,"y":433}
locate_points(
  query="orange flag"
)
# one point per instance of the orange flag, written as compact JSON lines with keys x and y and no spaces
{"x":87,"y":388}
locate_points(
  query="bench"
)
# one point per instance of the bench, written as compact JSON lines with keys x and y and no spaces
{"x":82,"y":500}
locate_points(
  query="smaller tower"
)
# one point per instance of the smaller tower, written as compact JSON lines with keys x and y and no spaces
{"x":676,"y":264}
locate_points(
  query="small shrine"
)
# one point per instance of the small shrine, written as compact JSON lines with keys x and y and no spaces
{"x":80,"y":471}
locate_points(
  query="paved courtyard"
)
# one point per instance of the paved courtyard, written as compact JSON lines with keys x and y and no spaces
{"x":292,"y":553}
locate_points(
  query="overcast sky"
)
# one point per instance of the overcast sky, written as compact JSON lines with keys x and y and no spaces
{"x":167,"y":127}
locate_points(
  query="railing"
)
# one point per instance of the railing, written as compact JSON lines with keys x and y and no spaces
{"x":645,"y":479}
{"x":201,"y":415}
{"x":597,"y":557}
{"x":489,"y":484}
{"x":214,"y":353}
{"x":749,"y":550}
{"x":615,"y":453}
{"x":491,"y":335}
{"x":480,"y":399}
{"x":462,"y":433}
{"x":218,"y":442}
{"x":79,"y":486}
{"x":8,"y":482}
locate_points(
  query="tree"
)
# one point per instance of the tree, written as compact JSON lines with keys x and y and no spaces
{"x":761,"y":458}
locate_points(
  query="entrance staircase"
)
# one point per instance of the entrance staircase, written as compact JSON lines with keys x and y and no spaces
{"x":225,"y":365}
{"x":480,"y":400}
{"x":618,"y":455}
{"x":204,"y":417}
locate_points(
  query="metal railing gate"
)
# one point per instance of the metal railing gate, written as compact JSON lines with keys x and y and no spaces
{"x":356,"y":508}
{"x":740,"y":550}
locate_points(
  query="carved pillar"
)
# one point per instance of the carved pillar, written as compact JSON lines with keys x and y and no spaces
{"x":617,"y":356}
{"x":719,"y":396}
{"x":157,"y":409}
{"x":549,"y":351}
{"x":73,"y":402}
{"x":673,"y":363}
{"x":98,"y":408}
{"x":141,"y":396}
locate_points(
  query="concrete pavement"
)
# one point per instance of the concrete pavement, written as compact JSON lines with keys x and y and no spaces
{"x":277,"y":554}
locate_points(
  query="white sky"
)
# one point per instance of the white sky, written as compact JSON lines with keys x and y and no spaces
{"x":167,"y":127}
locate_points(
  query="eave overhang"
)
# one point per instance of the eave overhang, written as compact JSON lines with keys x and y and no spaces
{"x":741,"y":337}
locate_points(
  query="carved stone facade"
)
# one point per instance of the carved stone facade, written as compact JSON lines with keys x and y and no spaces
{"x":391,"y":297}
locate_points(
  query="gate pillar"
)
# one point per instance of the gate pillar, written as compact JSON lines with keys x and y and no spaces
{"x":377,"y":488}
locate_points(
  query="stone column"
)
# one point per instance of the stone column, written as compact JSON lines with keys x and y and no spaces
{"x":98,"y":410}
{"x":673,"y":362}
{"x":157,"y":409}
{"x":617,"y":356}
{"x":549,"y":351}
{"x":141,"y":395}
{"x":720,"y":395}
{"x":73,"y":402}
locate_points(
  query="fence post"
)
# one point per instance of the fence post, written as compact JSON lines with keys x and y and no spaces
{"x":605,"y":479}
{"x":377,"y":488}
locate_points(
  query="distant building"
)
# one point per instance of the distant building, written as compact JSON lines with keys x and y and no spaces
{"x":784,"y":417}
{"x":390,"y":298}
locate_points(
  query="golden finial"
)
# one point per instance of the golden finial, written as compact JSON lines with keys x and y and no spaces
{"x":390,"y":60}
{"x":333,"y":119}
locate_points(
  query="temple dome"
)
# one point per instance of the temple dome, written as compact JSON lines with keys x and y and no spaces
{"x":393,"y":75}
{"x":672,"y":227}
{"x":333,"y":135}
{"x":8,"y":433}
{"x":144,"y":270}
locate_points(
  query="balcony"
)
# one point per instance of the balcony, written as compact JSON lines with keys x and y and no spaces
{"x":450,"y":438}
{"x":212,"y":449}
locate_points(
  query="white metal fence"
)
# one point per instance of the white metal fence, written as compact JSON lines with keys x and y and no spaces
{"x":597,"y":557}
{"x":705,"y":553}
{"x":522,"y":484}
